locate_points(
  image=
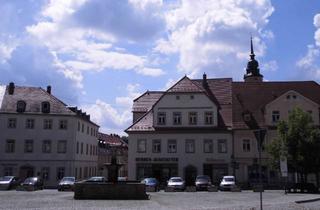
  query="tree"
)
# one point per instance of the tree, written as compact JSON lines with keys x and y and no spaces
{"x":298,"y":140}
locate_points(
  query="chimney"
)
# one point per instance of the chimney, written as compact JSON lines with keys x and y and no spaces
{"x":11,"y":88}
{"x":204,"y":81}
{"x":49,"y":89}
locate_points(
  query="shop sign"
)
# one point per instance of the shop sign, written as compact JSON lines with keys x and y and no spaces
{"x":214,"y":160}
{"x":157,"y":159}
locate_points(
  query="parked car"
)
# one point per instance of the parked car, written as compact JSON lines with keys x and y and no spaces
{"x":151,"y":182}
{"x":177,"y":183}
{"x":66,"y":183}
{"x":122,"y":178}
{"x":32,"y":183}
{"x":9,"y":182}
{"x":96,"y":179}
{"x":227,"y":182}
{"x":202,"y":182}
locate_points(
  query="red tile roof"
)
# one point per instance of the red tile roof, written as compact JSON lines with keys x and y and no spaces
{"x":255,"y":96}
{"x":112,"y":139}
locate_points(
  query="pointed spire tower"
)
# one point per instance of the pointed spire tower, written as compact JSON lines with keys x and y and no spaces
{"x":253,"y":71}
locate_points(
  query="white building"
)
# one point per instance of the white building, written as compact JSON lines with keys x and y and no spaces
{"x":183,"y":131}
{"x":41,"y":136}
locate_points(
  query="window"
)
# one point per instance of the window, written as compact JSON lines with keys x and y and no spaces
{"x":156,"y":146}
{"x":172,"y":146}
{"x":78,"y":126}
{"x":63,"y":124}
{"x":81,"y":148}
{"x":141,"y":145}
{"x":87,"y":149}
{"x":45,"y":107}
{"x":21,"y":106}
{"x":90,"y":149}
{"x":80,"y":173}
{"x":62,"y":146}
{"x":192,"y":97}
{"x":76,"y":173}
{"x":47,"y":124}
{"x":177,"y":118}
{"x":190,"y":146}
{"x":8,"y":171}
{"x":82,"y":128}
{"x":294,"y":96}
{"x":12,"y":123}
{"x":46,"y":146}
{"x":161,"y":118}
{"x":275,"y":116}
{"x":246,"y":145}
{"x":28,"y":146}
{"x":60,"y":173}
{"x":177,"y":97}
{"x":208,"y":146}
{"x":88,"y":130}
{"x":192,"y":118}
{"x":208,"y":118}
{"x":77,"y":147}
{"x":10,"y":146}
{"x":222,"y":146}
{"x":30,"y":123}
{"x":45,"y":173}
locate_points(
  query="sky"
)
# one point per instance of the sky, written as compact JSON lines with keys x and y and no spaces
{"x":99,"y":55}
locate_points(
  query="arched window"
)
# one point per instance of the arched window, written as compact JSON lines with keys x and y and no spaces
{"x":45,"y":107}
{"x":21,"y":106}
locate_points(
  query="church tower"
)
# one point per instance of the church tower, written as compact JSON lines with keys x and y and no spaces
{"x":253,"y":71}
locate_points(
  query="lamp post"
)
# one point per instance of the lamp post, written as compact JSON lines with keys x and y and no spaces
{"x":260,"y":134}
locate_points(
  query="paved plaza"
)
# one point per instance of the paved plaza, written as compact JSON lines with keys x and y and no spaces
{"x":52,"y":199}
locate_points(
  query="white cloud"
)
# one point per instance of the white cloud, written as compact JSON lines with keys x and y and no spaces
{"x":114,"y":118}
{"x":269,"y":66}
{"x":2,"y":91}
{"x":309,"y":64}
{"x":209,"y":34}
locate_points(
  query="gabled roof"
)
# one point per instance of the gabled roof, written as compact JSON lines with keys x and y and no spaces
{"x":145,"y":102}
{"x":33,"y":97}
{"x":112,"y":139}
{"x":254,"y":97}
{"x":219,"y":91}
{"x":185,"y":85}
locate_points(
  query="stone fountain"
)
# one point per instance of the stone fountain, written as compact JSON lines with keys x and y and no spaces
{"x":111,"y":190}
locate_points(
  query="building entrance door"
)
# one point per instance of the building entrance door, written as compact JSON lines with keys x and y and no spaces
{"x":190,"y":175}
{"x":26,"y":171}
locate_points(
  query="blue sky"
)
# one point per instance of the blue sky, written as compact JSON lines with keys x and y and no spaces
{"x":101,"y":54}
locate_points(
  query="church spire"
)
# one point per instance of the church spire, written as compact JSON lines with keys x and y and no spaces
{"x":252,"y":70}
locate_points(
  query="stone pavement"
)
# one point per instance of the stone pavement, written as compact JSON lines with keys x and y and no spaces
{"x":245,"y":200}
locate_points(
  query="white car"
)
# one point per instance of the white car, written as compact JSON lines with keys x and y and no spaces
{"x":177,"y":183}
{"x":227,"y":182}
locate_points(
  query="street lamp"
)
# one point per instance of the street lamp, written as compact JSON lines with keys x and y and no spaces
{"x":260,"y":134}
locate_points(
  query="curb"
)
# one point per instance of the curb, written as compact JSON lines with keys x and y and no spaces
{"x":307,"y":201}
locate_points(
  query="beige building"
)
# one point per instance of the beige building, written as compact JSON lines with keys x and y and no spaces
{"x":183,"y":131}
{"x":206,"y":126}
{"x":41,"y":136}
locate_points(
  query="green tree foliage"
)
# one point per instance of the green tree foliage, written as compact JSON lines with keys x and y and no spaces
{"x":298,"y":140}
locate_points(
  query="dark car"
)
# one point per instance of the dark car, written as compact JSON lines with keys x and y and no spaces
{"x":66,"y":183}
{"x":203,"y":182}
{"x":96,"y":179}
{"x":9,"y":182}
{"x":151,"y":182}
{"x":32,"y":183}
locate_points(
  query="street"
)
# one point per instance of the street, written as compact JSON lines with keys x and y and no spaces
{"x":52,"y":199}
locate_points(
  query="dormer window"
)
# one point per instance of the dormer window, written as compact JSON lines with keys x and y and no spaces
{"x":275,"y":116}
{"x":208,"y":118}
{"x":45,"y":107}
{"x":161,"y":118}
{"x":21,"y":106}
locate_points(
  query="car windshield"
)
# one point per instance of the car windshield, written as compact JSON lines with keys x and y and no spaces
{"x":203,"y":178}
{"x":68,"y":179}
{"x":6,"y":178}
{"x":96,"y":178}
{"x":31,"y":179}
{"x":175,"y":180}
{"x":150,"y":180}
{"x":229,"y":179}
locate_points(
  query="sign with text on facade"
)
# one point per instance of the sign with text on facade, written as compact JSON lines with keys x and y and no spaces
{"x":157,"y":159}
{"x":213,"y":160}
